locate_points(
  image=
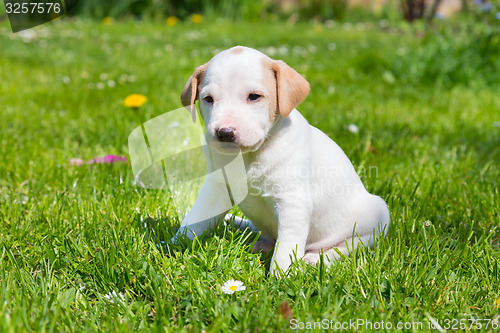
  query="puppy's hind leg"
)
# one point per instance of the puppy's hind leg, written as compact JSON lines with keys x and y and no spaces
{"x":331,"y":255}
{"x":262,"y":245}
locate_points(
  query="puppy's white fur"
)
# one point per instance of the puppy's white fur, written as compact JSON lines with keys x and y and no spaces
{"x":304,"y":193}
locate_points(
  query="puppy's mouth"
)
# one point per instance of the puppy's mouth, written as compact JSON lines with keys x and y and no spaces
{"x":246,"y":149}
{"x":234,"y":147}
{"x":225,"y":148}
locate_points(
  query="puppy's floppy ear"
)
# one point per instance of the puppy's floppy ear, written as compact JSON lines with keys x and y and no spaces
{"x":291,"y":87}
{"x":191,"y":90}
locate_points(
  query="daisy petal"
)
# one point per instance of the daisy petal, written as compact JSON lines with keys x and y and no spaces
{"x":231,"y":286}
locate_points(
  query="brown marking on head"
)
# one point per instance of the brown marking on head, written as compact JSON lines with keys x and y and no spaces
{"x":237,"y":49}
{"x":291,"y":87}
{"x":191,"y":91}
{"x":269,"y":83}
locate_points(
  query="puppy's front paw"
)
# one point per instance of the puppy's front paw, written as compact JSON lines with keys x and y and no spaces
{"x":175,"y":240}
{"x":311,"y":258}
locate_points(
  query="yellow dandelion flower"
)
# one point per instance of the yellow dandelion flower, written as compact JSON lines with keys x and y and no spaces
{"x":196,"y":18}
{"x":108,"y":20}
{"x":319,"y":27}
{"x":135,"y":101}
{"x":172,"y":20}
{"x":497,"y":301}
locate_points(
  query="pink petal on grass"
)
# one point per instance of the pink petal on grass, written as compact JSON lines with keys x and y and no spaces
{"x":107,"y":159}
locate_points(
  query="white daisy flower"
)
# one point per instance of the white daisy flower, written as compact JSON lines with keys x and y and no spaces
{"x":231,"y":286}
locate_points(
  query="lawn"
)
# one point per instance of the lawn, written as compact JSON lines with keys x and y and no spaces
{"x":79,"y":245}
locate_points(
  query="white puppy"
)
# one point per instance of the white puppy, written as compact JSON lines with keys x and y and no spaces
{"x":304,"y":194}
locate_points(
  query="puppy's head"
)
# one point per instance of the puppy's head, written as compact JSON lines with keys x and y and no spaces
{"x":241,"y":94}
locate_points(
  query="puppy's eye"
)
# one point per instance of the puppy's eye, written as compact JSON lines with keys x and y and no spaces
{"x":254,"y":97}
{"x":208,"y":99}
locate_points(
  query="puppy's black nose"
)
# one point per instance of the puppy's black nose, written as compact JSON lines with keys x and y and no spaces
{"x":226,"y":134}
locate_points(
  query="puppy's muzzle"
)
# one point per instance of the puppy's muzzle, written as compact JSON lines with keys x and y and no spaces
{"x":226,"y":134}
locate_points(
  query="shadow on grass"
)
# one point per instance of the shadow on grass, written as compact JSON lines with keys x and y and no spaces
{"x":160,"y":232}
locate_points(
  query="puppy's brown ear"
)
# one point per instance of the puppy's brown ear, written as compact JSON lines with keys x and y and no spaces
{"x":291,"y":87}
{"x":191,"y":90}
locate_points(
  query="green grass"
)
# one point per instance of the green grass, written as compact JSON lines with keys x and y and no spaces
{"x":71,"y":235}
